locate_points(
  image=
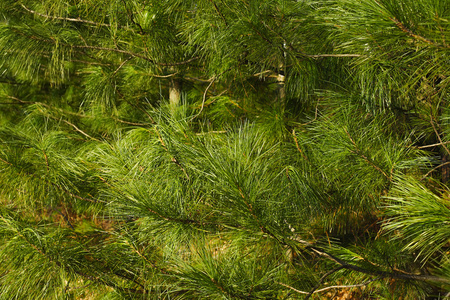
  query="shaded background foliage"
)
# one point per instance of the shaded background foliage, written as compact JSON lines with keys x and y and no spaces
{"x":224,"y":149}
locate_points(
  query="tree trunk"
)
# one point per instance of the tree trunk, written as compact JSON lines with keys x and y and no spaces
{"x":174,"y":94}
{"x":281,"y":89}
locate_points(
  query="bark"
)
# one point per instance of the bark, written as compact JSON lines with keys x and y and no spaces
{"x":281,"y":89}
{"x":174,"y":93}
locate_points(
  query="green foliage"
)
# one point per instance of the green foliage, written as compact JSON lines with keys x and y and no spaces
{"x":224,"y":149}
{"x":417,"y":217}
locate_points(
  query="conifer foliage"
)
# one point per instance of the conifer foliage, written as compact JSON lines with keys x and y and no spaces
{"x":271,"y":149}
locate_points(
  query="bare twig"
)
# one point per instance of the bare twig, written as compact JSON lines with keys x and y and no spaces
{"x":6,"y":162}
{"x":433,"y":145}
{"x":162,"y":76}
{"x":348,"y":286}
{"x":316,"y":112}
{"x":437,"y":134}
{"x":330,"y":287}
{"x":321,"y":281}
{"x":122,"y":64}
{"x":265,"y":72}
{"x":434,"y":169}
{"x":132,"y":54}
{"x":79,"y":130}
{"x":130,"y":123}
{"x":204,"y":97}
{"x":211,"y":81}
{"x":46,"y":160}
{"x":292,"y":288}
{"x":297,"y":145}
{"x":208,"y":132}
{"x":64,"y":18}
{"x":196,"y":79}
{"x":332,"y":55}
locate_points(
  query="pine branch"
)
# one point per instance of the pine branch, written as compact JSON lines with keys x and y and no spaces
{"x":174,"y":159}
{"x":408,"y":31}
{"x":219,"y":13}
{"x":132,"y":54}
{"x":211,"y":81}
{"x":69,"y":112}
{"x":89,"y":47}
{"x":384,"y":274}
{"x":152,"y":264}
{"x":358,"y":152}
{"x":179,"y":220}
{"x":23,"y":237}
{"x":48,"y":182}
{"x":6,"y":162}
{"x":131,"y":16}
{"x":20,"y":101}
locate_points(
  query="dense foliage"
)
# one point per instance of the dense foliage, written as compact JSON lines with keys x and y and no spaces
{"x":271,"y":149}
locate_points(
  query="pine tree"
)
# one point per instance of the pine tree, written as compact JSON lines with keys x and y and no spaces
{"x":272,"y":149}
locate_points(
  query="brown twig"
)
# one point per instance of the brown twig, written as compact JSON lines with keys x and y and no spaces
{"x":211,"y":81}
{"x":330,"y":287}
{"x":6,"y":162}
{"x":46,"y":160}
{"x":162,"y":76}
{"x":122,"y":64}
{"x":332,"y":55}
{"x":79,"y":130}
{"x":434,"y":169}
{"x":204,"y":97}
{"x":433,"y":145}
{"x":297,"y":145}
